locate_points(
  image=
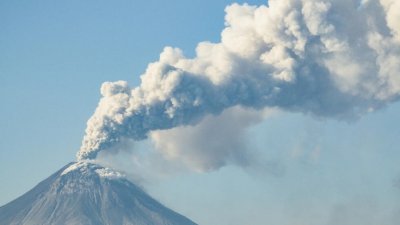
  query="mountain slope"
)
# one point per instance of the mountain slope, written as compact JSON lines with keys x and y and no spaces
{"x":87,"y":194}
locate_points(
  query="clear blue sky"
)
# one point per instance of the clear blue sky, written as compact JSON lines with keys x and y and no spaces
{"x":54,"y":55}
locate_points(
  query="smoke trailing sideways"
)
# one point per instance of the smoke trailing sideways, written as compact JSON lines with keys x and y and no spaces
{"x":334,"y":59}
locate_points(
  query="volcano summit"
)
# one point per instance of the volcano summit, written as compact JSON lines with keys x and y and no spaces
{"x":83,"y":193}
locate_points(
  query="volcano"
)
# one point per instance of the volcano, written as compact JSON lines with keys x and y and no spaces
{"x":84,"y":193}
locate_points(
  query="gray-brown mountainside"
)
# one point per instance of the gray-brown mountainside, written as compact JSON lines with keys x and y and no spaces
{"x":88,"y":194}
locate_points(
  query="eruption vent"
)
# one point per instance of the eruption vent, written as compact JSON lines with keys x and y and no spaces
{"x":329,"y":58}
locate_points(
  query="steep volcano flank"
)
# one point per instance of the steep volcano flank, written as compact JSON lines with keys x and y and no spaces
{"x":87,"y":194}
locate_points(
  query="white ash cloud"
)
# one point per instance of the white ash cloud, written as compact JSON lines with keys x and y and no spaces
{"x":214,"y":142}
{"x":336,"y":59}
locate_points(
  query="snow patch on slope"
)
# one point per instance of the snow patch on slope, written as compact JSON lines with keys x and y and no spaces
{"x":89,"y":168}
{"x":109,"y":173}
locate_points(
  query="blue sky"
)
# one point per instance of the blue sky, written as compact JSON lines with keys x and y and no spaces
{"x":55,"y":55}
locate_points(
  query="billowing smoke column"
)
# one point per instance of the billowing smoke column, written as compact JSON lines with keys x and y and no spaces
{"x":329,"y":58}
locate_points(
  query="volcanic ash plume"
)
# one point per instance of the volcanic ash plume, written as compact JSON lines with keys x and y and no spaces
{"x":329,"y":58}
